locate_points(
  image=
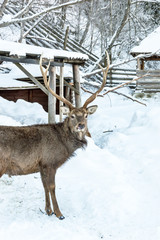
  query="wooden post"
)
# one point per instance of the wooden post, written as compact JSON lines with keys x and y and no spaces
{"x":76,"y":79}
{"x":61,"y":91}
{"x":51,"y":98}
{"x":140,"y":63}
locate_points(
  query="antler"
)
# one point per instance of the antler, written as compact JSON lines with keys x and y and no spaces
{"x":46,"y":82}
{"x":105,"y":72}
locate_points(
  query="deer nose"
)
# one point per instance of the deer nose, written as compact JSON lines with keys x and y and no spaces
{"x":81,"y":126}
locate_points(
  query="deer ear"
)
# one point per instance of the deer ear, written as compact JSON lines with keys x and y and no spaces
{"x":92,"y":109}
{"x":65,"y":110}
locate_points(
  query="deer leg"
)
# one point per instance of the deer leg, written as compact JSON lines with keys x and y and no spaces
{"x":2,"y":171}
{"x":44,"y":174}
{"x":53,"y":195}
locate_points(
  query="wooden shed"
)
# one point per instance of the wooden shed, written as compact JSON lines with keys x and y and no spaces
{"x":23,"y":54}
{"x":147,"y":51}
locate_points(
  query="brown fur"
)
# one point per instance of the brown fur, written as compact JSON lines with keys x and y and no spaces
{"x":43,"y":148}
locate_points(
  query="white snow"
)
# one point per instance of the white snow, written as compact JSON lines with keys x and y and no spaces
{"x":110,"y":190}
{"x":9,"y":79}
{"x":22,"y":49}
{"x":151,"y":44}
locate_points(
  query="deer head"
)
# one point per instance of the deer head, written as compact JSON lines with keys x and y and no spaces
{"x":77,"y":117}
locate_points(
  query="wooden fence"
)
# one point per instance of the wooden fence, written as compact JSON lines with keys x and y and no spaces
{"x":121,"y":75}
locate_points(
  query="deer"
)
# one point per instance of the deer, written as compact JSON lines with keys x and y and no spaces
{"x":44,"y":148}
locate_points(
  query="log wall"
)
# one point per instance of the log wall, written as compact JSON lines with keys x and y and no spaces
{"x":149,"y":83}
{"x":29,"y":95}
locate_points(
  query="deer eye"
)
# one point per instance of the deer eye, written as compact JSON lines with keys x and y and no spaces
{"x":86,"y":115}
{"x":72,"y":116}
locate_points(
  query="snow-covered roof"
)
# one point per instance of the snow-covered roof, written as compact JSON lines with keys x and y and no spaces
{"x":22,"y":50}
{"x":151,"y":44}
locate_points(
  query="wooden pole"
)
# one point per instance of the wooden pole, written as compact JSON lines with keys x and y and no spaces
{"x":61,"y":93}
{"x":76,"y":79}
{"x":51,"y":98}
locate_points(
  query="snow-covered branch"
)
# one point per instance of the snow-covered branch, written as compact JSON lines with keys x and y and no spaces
{"x":24,"y":10}
{"x":30,"y":29}
{"x":5,"y":23}
{"x":86,"y":75}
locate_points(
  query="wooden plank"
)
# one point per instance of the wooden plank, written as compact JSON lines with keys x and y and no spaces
{"x":76,"y":79}
{"x":51,"y":98}
{"x":150,"y":86}
{"x":19,"y":88}
{"x":27,"y":60}
{"x":151,"y":72}
{"x":149,"y":81}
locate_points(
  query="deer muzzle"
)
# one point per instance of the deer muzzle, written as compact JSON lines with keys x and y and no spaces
{"x":81,"y":127}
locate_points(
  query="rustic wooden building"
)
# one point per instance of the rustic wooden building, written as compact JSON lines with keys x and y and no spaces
{"x":24,"y":54}
{"x":147,"y":51}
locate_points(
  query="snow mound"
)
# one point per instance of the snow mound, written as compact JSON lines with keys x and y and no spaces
{"x":110,"y":190}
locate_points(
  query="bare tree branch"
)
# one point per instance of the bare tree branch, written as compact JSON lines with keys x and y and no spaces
{"x":3,"y":7}
{"x":71,"y":3}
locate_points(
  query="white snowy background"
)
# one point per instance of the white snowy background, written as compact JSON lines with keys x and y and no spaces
{"x":110,"y":190}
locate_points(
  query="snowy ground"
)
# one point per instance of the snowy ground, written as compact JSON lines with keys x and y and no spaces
{"x":111,"y":190}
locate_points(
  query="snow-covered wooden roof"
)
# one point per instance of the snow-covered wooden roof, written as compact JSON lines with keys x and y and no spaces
{"x":23,"y":51}
{"x":149,"y":45}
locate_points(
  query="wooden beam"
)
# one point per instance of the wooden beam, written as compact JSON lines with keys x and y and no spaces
{"x":38,"y":84}
{"x":58,"y":61}
{"x":76,"y":79}
{"x":51,"y":98}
